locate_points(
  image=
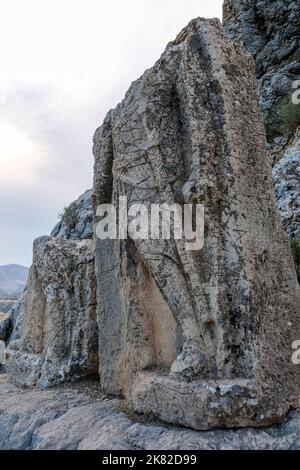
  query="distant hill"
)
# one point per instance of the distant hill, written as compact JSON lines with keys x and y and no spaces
{"x":13,"y":278}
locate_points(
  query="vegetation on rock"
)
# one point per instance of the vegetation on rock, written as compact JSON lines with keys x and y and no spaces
{"x":289,"y":117}
{"x":69,"y":216}
{"x":283,"y":119}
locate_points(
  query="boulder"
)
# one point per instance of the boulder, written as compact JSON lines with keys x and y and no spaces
{"x":54,"y":336}
{"x":17,"y":313}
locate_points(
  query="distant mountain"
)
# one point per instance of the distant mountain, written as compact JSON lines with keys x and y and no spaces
{"x":13,"y":278}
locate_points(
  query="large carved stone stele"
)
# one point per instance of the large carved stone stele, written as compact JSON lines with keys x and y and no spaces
{"x":197,"y":338}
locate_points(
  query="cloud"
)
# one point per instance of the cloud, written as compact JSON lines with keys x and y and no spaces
{"x":64,"y":64}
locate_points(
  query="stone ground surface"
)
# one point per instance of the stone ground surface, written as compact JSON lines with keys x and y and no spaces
{"x":79,"y":416}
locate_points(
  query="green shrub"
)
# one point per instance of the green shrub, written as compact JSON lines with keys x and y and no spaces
{"x":282,"y":119}
{"x":295,"y":245}
{"x":289,"y":117}
{"x":69,"y":216}
{"x":272,"y":124}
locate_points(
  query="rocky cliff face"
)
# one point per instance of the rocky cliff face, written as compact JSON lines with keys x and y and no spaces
{"x":77,"y":220}
{"x":80,"y":417}
{"x":270,"y":31}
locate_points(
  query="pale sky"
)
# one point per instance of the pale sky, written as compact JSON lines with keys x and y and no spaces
{"x":63,"y":65}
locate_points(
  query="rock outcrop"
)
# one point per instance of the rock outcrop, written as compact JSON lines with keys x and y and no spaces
{"x":81,"y":226}
{"x":286,"y":176}
{"x":5,"y":325}
{"x":5,"y":329}
{"x":273,"y":39}
{"x":16,"y":318}
{"x":7,"y":305}
{"x":196,"y":338}
{"x":11,"y":312}
{"x":59,"y":337}
{"x":79,"y":417}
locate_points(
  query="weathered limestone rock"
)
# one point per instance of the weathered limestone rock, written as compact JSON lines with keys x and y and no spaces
{"x":202,"y":339}
{"x":5,"y":325}
{"x":78,"y":417}
{"x":274,"y":41}
{"x":83,"y":230}
{"x":6,"y":305}
{"x":2,"y":356}
{"x":199,"y":338}
{"x":54,"y":330}
{"x":5,"y":331}
{"x":286,"y":176}
{"x":17,"y":313}
{"x":59,"y":337}
{"x":83,"y":223}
